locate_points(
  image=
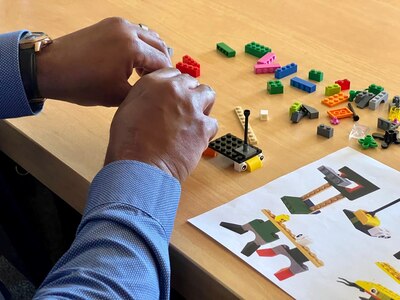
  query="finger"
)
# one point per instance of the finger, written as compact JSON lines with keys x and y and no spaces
{"x":211,"y":127}
{"x":187,"y":81}
{"x":149,"y":59}
{"x":153,"y":39}
{"x":206,"y":98}
{"x":165,"y":73}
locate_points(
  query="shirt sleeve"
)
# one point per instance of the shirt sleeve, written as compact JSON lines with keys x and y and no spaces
{"x":121,"y":247}
{"x":13,"y":100}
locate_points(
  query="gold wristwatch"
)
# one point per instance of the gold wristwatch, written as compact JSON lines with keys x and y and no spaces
{"x":29,"y":46}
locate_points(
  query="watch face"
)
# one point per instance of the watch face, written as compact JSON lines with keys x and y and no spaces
{"x":30,"y":40}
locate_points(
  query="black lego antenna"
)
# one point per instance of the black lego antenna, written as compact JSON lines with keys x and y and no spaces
{"x":246,"y":128}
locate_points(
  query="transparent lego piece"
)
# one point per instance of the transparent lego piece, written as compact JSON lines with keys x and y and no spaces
{"x":358,"y":131}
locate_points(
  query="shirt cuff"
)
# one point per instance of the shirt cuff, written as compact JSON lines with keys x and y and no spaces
{"x":13,"y":100}
{"x":140,"y":185}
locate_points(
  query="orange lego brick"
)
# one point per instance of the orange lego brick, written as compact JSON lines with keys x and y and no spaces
{"x":335,"y":99}
{"x":210,"y":152}
{"x":340,"y":113}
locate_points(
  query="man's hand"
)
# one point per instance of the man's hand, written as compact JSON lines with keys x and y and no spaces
{"x":164,"y":122}
{"x":92,"y":66}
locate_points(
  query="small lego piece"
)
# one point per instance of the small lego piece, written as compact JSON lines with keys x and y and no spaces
{"x":315,"y":75}
{"x":286,"y":71}
{"x":340,"y":113}
{"x":325,"y":131}
{"x":264,"y":114}
{"x":344,"y":84}
{"x":375,"y":89}
{"x":302,"y":84}
{"x":362,"y":99}
{"x":190,"y":61}
{"x":394,"y":113}
{"x":355,"y":116}
{"x":188,"y":69}
{"x":226,"y":50}
{"x":274,"y":87}
{"x":256,"y":49}
{"x":267,"y":58}
{"x":251,"y":135}
{"x":390,"y":137}
{"x":335,"y":99}
{"x":352,"y":95}
{"x":358,"y":131}
{"x":387,"y":124}
{"x":297,"y":111}
{"x":296,"y":106}
{"x":266,"y":68}
{"x":382,"y":97}
{"x":334,"y":121}
{"x":210,"y":152}
{"x":368,"y":142}
{"x":332,"y":89}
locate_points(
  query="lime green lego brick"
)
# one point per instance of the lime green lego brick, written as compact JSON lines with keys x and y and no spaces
{"x":315,"y":75}
{"x":353,"y":94}
{"x":226,"y":50}
{"x":296,"y":106}
{"x":256,"y":49}
{"x":375,"y":89}
{"x":274,"y":87}
{"x":332,"y":89}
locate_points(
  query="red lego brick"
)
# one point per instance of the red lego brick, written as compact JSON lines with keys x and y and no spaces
{"x":283,"y":274}
{"x":344,"y":84}
{"x":210,"y":152}
{"x":190,"y":61}
{"x":188,"y":69}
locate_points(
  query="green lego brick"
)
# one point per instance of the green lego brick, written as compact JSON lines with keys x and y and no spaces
{"x":353,"y":94}
{"x":256,"y":49}
{"x":332,"y":89}
{"x":375,"y":89}
{"x":296,"y":205}
{"x":226,"y":50}
{"x":315,"y":75}
{"x":274,"y":87}
{"x":267,"y":230}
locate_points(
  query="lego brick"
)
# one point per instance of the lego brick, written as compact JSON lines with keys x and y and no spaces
{"x":266,"y":68}
{"x":190,"y":61}
{"x":368,"y":142}
{"x":362,"y":99}
{"x":315,"y":75}
{"x":352,"y":95}
{"x":311,"y":112}
{"x":382,"y":97}
{"x":302,"y":84}
{"x":254,"y":163}
{"x":256,"y":49}
{"x":226,"y":50}
{"x":267,"y":58}
{"x":335,"y":99}
{"x":384,"y":124}
{"x":251,"y":135}
{"x":344,"y":84}
{"x":274,"y":87}
{"x":325,"y":131}
{"x":375,"y":89}
{"x":340,"y":113}
{"x":394,"y":114}
{"x":210,"y":152}
{"x":332,"y":89}
{"x":296,"y":106}
{"x":264,"y":114}
{"x":188,"y":69}
{"x":334,"y":121}
{"x":228,"y":144}
{"x":286,"y":71}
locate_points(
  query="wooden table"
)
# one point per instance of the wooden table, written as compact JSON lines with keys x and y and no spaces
{"x":65,"y":145}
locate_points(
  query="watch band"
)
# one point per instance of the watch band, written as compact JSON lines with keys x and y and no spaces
{"x":27,"y":65}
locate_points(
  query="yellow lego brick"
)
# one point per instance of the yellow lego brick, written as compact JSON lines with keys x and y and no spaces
{"x":388,"y":269}
{"x":254,"y":163}
{"x":366,"y":219}
{"x":335,"y":99}
{"x":394,"y":113}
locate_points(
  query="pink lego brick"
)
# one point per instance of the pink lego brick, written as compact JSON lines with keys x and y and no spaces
{"x":266,"y":68}
{"x":190,"y":61}
{"x":267,"y":58}
{"x":188,"y":69}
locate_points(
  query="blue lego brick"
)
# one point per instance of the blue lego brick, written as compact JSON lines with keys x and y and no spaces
{"x":302,"y":84}
{"x":286,"y":71}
